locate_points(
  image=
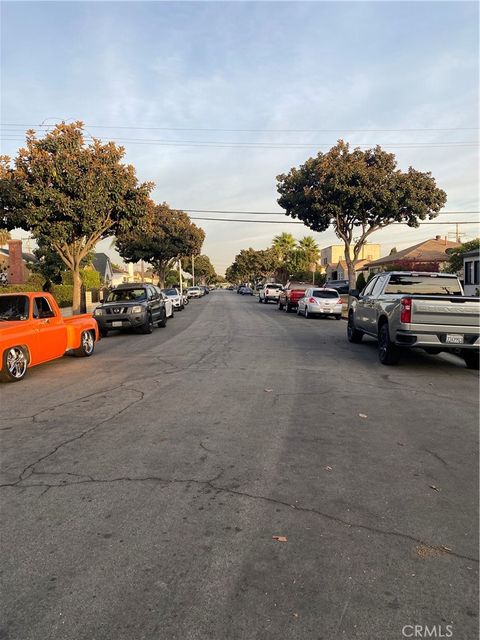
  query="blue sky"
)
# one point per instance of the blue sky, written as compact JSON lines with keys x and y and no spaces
{"x":244,"y":65}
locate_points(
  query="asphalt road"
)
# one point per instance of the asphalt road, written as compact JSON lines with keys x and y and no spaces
{"x":142,"y":487}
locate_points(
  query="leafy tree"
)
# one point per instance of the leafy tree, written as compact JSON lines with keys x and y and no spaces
{"x":357,"y":192}
{"x":251,"y":265}
{"x":4,"y":237}
{"x":455,"y":261}
{"x":69,"y":194}
{"x":204,"y":269}
{"x":309,"y":249}
{"x":161,"y":236}
{"x":284,"y":245}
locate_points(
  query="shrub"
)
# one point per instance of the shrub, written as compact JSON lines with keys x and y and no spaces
{"x":90,"y":278}
{"x":63,"y":294}
{"x":361,"y":282}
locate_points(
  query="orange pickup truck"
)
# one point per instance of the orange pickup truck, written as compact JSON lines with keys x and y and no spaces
{"x":32,"y":331}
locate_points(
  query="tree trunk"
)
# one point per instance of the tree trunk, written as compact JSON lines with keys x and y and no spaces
{"x":77,"y":291}
{"x":161,"y":273}
{"x":351,"y":268}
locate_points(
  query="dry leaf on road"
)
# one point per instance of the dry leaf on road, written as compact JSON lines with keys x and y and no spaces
{"x":328,"y":468}
{"x":280,"y":538}
{"x":363,"y":415}
{"x":432,"y":486}
{"x":268,"y":390}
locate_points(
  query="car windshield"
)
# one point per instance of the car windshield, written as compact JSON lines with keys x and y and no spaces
{"x":319,"y":293}
{"x":126,"y":295}
{"x":423,"y":285}
{"x":170,"y":292}
{"x":193,"y":289}
{"x":13,"y":308}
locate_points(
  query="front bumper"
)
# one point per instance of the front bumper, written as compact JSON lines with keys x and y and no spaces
{"x":109,"y":322}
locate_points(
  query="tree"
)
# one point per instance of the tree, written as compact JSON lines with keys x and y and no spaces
{"x":284,"y":245}
{"x":455,"y":261}
{"x":309,"y":249}
{"x":71,"y":195}
{"x":4,"y":237}
{"x":357,"y":192}
{"x":161,"y":236}
{"x":204,"y":269}
{"x":251,"y":265}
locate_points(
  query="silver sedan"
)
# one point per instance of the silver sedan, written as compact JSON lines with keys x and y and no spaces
{"x":320,"y":302}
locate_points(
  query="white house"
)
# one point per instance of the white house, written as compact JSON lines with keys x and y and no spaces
{"x":471,"y":272}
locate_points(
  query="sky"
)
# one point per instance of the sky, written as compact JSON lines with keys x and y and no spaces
{"x":212,"y":100}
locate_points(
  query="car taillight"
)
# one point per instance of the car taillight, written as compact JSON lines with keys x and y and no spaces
{"x":406,"y":310}
{"x":267,"y":291}
{"x":312,"y":300}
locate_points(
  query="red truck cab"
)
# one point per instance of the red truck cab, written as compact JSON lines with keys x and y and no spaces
{"x":291,"y":294}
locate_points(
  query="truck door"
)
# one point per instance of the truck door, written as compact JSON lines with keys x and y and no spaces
{"x":371,"y":306}
{"x":363,"y":305}
{"x":52,"y":333}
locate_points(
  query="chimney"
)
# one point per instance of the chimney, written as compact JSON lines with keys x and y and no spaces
{"x":438,"y":237}
{"x":15,"y":262}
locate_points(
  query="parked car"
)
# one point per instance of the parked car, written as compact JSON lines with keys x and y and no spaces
{"x":290,"y":295}
{"x":131,"y":306}
{"x":176,"y":298}
{"x":240,"y":287}
{"x":246,"y":291}
{"x":269,"y":292}
{"x":320,"y":302}
{"x":342,"y":286}
{"x":168,"y":301}
{"x":205,"y":289}
{"x":410,"y":310}
{"x":194,"y":292}
{"x":32,"y":331}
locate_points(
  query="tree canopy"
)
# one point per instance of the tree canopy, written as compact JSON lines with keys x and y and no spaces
{"x":357,"y":193}
{"x":455,"y":261}
{"x":160,"y":237}
{"x":70,"y":194}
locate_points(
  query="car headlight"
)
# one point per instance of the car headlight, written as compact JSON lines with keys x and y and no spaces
{"x":98,"y":312}
{"x":136,"y":309}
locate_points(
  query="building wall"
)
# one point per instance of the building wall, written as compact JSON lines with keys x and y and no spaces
{"x":336,"y":252}
{"x":471,"y":275}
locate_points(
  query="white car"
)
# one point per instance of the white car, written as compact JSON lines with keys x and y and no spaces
{"x":174,"y":295}
{"x":166,"y":300}
{"x":269,"y":292}
{"x":194,"y":292}
{"x":320,"y":302}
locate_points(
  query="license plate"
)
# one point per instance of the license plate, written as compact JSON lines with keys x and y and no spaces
{"x":117,"y":323}
{"x":454,"y":338}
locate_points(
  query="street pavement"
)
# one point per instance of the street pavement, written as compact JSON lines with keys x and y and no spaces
{"x":142,"y":487}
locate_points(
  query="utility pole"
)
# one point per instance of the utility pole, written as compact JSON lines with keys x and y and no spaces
{"x":180,"y":276}
{"x":457,"y":234}
{"x":193,"y":270}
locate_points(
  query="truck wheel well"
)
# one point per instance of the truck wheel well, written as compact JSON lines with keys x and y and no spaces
{"x":381,"y":321}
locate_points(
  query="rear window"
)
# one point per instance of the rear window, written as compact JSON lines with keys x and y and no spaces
{"x":170,"y":292}
{"x":273,"y":286}
{"x":423,"y":285}
{"x":321,"y":293}
{"x":126,"y":295}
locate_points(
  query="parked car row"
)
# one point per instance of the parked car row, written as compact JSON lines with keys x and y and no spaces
{"x":33,"y":330}
{"x":402,"y":310}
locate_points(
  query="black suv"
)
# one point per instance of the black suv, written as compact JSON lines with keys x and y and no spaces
{"x":131,"y":306}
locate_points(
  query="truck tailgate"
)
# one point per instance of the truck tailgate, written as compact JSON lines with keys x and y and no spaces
{"x":448,"y":311}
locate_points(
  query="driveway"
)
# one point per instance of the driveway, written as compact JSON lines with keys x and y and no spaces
{"x":143,"y":487}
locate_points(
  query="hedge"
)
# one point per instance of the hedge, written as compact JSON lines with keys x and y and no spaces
{"x":90,"y":278}
{"x":63,"y":293}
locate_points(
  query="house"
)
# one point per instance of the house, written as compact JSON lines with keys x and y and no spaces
{"x":101,"y":263}
{"x":339,"y":271}
{"x":331,"y":256}
{"x":18,"y":270}
{"x":471,"y":272}
{"x":119,"y":276}
{"x":429,"y":255}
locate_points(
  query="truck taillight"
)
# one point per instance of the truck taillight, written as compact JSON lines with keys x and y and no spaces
{"x":406,"y":310}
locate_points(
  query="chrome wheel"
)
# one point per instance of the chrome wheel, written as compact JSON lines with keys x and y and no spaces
{"x":16,"y":362}
{"x":88,"y":342}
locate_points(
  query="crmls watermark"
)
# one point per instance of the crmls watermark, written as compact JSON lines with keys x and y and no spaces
{"x":426,"y":631}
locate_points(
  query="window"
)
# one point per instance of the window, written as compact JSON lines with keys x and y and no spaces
{"x":126,"y":295}
{"x":423,"y":285}
{"x":324,"y":293}
{"x":476,"y":272}
{"x":467,"y":269}
{"x":368,"y":289}
{"x":378,"y":286}
{"x":41,"y":308}
{"x":13,"y":307}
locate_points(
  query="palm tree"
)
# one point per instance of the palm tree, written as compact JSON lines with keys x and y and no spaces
{"x":284,"y":245}
{"x":309,"y":249}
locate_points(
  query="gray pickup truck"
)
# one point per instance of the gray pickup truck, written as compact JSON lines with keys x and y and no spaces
{"x":416,"y":310}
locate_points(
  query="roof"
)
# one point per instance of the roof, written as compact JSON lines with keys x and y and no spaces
{"x":100,"y":262}
{"x":471,"y":254}
{"x":27,"y":257}
{"x":427,"y":251}
{"x":115,"y":270}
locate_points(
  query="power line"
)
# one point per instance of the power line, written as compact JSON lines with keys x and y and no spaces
{"x":299,"y":222}
{"x":271,"y":145}
{"x":143,"y":128}
{"x":279,"y":213}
